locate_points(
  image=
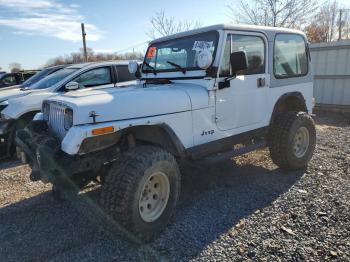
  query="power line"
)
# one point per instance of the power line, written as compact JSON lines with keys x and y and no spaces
{"x":130,"y":47}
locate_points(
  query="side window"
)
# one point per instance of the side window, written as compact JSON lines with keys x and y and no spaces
{"x":9,"y":80}
{"x":254,"y":48}
{"x":123,"y":74}
{"x":290,"y":58}
{"x":95,"y":77}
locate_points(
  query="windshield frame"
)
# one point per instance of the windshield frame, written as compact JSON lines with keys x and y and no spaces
{"x":146,"y":70}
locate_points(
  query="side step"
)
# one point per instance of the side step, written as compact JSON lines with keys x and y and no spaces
{"x":233,"y":153}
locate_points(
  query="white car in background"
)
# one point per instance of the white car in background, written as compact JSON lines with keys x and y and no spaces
{"x":19,"y":105}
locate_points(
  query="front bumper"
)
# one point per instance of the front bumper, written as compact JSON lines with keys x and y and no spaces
{"x":48,"y":162}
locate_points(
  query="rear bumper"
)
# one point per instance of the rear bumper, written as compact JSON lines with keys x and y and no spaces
{"x":48,"y":162}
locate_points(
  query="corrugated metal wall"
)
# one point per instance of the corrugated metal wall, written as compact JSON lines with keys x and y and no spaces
{"x":331,"y":68}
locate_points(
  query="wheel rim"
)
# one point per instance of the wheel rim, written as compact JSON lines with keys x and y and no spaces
{"x":301,"y":142}
{"x":154,"y":197}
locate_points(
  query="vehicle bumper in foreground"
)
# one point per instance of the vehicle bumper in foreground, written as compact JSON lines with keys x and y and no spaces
{"x":48,"y":162}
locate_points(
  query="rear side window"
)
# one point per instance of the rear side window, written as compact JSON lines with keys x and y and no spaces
{"x":9,"y":80}
{"x":95,"y":77}
{"x":124,"y":74}
{"x":290,"y":58}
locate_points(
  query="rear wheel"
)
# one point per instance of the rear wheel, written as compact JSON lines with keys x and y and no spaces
{"x":292,"y":140}
{"x":141,"y":191}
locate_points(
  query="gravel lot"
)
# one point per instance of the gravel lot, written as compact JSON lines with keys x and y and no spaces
{"x":239,"y":210}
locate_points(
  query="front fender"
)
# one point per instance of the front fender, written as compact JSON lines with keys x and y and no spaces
{"x":179,"y":125}
{"x":25,"y":104}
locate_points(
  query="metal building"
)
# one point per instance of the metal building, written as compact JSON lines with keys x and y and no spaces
{"x":331,"y":68}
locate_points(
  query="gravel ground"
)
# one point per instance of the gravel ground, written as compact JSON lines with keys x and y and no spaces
{"x":239,"y":210}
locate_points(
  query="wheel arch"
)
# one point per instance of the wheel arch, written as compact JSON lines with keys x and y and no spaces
{"x":292,"y":101}
{"x":25,"y":118}
{"x":160,"y":135}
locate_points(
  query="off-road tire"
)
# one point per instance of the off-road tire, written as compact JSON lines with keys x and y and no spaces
{"x":280,"y":140}
{"x":122,"y":189}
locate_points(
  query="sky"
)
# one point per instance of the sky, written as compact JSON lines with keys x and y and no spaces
{"x":33,"y":31}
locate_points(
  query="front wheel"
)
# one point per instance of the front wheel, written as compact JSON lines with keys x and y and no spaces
{"x":292,"y":140}
{"x":141,"y":191}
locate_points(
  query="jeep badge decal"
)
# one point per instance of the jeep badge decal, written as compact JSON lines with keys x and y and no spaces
{"x":209,"y":132}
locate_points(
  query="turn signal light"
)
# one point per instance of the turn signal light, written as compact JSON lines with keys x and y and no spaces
{"x":102,"y":130}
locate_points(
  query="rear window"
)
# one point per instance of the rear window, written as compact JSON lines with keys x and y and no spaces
{"x":290,"y":58}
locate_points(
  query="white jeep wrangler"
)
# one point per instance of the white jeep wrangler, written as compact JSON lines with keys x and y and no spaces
{"x":200,"y":93}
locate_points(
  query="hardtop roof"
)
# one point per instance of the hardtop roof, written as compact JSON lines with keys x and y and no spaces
{"x":253,"y":28}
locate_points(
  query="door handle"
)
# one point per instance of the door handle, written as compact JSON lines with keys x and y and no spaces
{"x":261,"y":82}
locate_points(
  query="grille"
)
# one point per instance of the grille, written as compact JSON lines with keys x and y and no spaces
{"x":56,"y":119}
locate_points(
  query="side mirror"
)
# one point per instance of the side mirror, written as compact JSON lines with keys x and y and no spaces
{"x":134,"y":68}
{"x":72,"y":86}
{"x":238,"y":61}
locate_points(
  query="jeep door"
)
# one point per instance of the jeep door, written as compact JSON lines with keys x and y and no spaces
{"x":241,"y":105}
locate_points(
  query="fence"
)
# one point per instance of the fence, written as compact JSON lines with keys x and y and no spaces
{"x":331,"y":68}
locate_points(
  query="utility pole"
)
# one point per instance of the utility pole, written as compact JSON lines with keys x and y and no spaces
{"x":84,"y":41}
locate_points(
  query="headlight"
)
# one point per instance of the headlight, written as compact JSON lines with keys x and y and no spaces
{"x":68,"y":118}
{"x":46,"y":111}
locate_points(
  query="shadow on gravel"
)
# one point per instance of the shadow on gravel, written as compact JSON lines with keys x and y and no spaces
{"x":214,"y":199}
{"x":9,"y":162}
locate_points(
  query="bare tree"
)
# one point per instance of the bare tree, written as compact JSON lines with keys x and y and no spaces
{"x":163,"y":25}
{"x":15,"y":67}
{"x":283,"y":13}
{"x":324,"y":26}
{"x":316,"y":33}
{"x":78,"y":57}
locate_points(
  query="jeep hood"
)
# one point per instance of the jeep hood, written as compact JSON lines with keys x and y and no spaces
{"x":135,"y":101}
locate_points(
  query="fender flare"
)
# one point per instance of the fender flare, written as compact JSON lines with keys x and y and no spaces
{"x":296,"y":96}
{"x":162,"y":135}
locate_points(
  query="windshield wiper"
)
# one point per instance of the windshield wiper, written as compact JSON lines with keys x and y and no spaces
{"x":151,"y":67}
{"x":183,"y":70}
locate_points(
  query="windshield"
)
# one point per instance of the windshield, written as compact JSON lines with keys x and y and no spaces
{"x":53,"y":79}
{"x":35,"y":78}
{"x":179,"y":54}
